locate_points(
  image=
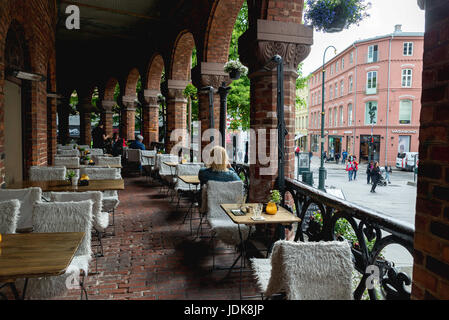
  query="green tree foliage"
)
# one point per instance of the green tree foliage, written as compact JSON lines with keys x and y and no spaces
{"x":192,"y":92}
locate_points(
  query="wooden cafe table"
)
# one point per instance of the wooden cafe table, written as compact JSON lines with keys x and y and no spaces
{"x":66,"y":186}
{"x":283,"y":217}
{"x":35,"y":255}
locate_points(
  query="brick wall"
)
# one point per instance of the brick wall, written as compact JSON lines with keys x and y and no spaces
{"x":37,"y":18}
{"x":431,"y":268}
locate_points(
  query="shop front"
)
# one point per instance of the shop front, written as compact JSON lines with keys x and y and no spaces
{"x":369,"y":148}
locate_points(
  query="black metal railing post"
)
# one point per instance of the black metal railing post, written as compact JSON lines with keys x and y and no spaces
{"x":223,"y":91}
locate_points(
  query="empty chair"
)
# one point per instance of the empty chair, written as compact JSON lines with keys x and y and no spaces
{"x":164,"y":170}
{"x":147,"y":161}
{"x":96,"y":152}
{"x":27,"y":197}
{"x":221,"y":224}
{"x":47,"y":173}
{"x":190,"y":169}
{"x":100,"y":218}
{"x":306,"y":270}
{"x":108,"y":161}
{"x":63,"y":217}
{"x":71,"y":162}
{"x":9,"y":216}
{"x":68,"y":147}
{"x":68,"y":153}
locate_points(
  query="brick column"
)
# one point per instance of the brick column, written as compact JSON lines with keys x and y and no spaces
{"x":431,"y":247}
{"x":51,"y":129}
{"x":107,"y":116}
{"x":63,"y":120}
{"x":85,"y":110}
{"x":204,"y":75}
{"x":150,"y":110}
{"x":176,"y":110}
{"x":128,"y":112}
{"x":256,"y":47}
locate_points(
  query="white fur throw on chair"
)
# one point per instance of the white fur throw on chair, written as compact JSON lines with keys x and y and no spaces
{"x":68,"y":153}
{"x":147,"y":161}
{"x":67,"y":161}
{"x":96,"y":152}
{"x":186,"y":170}
{"x":165,"y":170}
{"x":27,"y":197}
{"x":108,"y":160}
{"x":9,"y":215}
{"x":101,"y":173}
{"x":224,"y":228}
{"x":307,"y":270}
{"x":62,"y":217}
{"x":47,"y":173}
{"x":101,"y":219}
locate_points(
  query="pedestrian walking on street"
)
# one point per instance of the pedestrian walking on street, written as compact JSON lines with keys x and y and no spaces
{"x":369,"y":168}
{"x":387,"y":173}
{"x":375,"y":176}
{"x":344,"y":156}
{"x":337,"y":158}
{"x":355,"y":166}
{"x":349,"y":169}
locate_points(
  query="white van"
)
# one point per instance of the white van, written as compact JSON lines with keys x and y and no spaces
{"x":406,"y":160}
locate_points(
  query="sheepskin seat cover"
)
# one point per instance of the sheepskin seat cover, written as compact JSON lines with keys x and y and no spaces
{"x":110,"y":197}
{"x":62,"y":217}
{"x":96,"y":152}
{"x":68,"y":153}
{"x":224,"y":228}
{"x":67,"y":161}
{"x":101,"y":219}
{"x":186,"y":170}
{"x":307,"y":270}
{"x":165,"y":170}
{"x":61,"y":147}
{"x":84,"y":146}
{"x":27,"y":197}
{"x":9,"y":215}
{"x":147,"y":161}
{"x":107,"y":160}
{"x":47,"y":173}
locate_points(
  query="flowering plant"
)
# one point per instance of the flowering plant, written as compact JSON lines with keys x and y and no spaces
{"x":275,"y":196}
{"x":235,"y":65}
{"x":335,"y":15}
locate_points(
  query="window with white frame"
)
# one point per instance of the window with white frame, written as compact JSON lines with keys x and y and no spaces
{"x":408,"y":49}
{"x":335,"y":118}
{"x":350,"y":84}
{"x":342,"y":63}
{"x":336,"y":66}
{"x":406,"y":78}
{"x":349,"y":114}
{"x":341,"y":116}
{"x":371,"y":112}
{"x":332,"y":69}
{"x":341,"y":88}
{"x":371,"y":82}
{"x":351,"y":58}
{"x":405,"y":111}
{"x":330,"y":117}
{"x":330,"y":92}
{"x":372,"y":54}
{"x":336,"y":89}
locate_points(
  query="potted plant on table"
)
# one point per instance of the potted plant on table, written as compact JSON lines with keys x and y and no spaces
{"x":71,"y":176}
{"x":235,"y":69}
{"x":275,"y":200}
{"x":335,"y":15}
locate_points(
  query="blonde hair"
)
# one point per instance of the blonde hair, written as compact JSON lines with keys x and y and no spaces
{"x":218,"y":159}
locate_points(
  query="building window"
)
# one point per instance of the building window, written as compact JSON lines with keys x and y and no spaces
{"x":372,"y":54}
{"x":408,"y":49}
{"x":332,"y":69}
{"x":405,"y":111}
{"x":341,"y":87}
{"x":342,"y":63}
{"x":330,"y":118}
{"x":335,"y":118}
{"x":330,"y":92}
{"x":349,"y":114}
{"x":336,"y":67}
{"x":336,"y":89}
{"x":371,"y":112}
{"x":351,"y":58}
{"x":350,"y":84}
{"x":371,"y":82}
{"x":341,"y":116}
{"x":406,"y":78}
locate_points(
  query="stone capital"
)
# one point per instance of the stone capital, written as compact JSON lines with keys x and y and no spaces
{"x":207,"y":74}
{"x":108,"y":105}
{"x":129,"y":101}
{"x":176,"y":95}
{"x":269,"y":38}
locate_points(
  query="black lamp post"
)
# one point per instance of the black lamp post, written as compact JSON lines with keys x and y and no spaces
{"x":322,"y":170}
{"x":223,"y":91}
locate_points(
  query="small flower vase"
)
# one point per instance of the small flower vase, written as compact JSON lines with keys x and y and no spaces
{"x":234,"y":74}
{"x":74,"y":181}
{"x":271,"y":208}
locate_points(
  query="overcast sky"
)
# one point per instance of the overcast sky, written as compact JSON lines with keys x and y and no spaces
{"x":384,"y":15}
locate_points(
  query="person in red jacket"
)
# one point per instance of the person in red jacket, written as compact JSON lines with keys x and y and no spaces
{"x":349,"y":169}
{"x":355,"y":167}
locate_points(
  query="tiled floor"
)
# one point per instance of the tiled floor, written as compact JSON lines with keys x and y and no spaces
{"x":152,"y":255}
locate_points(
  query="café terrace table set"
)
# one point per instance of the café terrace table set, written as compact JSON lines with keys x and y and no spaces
{"x":35,"y":255}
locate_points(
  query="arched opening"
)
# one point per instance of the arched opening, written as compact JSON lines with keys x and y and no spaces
{"x":74,"y":118}
{"x":17,"y":114}
{"x":130,"y":105}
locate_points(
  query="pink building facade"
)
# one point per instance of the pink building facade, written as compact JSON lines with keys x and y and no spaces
{"x":372,"y":98}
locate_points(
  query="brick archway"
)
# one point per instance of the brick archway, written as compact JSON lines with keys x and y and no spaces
{"x":128,"y":112}
{"x":150,"y":106}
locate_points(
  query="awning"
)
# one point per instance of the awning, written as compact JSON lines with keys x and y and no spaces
{"x":299,"y":136}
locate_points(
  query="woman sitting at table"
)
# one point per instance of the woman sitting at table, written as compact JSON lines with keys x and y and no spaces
{"x":219,"y":168}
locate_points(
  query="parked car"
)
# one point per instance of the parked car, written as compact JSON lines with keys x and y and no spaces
{"x":406,"y":160}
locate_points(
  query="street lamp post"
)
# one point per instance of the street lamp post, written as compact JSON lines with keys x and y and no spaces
{"x":322,"y":170}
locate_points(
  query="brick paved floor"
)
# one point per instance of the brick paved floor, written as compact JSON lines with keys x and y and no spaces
{"x":152,"y":256}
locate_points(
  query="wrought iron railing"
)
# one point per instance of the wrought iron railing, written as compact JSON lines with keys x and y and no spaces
{"x":324,"y":216}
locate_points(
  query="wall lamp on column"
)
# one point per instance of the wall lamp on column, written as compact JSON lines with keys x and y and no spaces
{"x":24,"y":75}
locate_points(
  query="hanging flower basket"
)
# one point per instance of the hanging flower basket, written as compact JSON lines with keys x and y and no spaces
{"x":235,"y":69}
{"x":335,"y":15}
